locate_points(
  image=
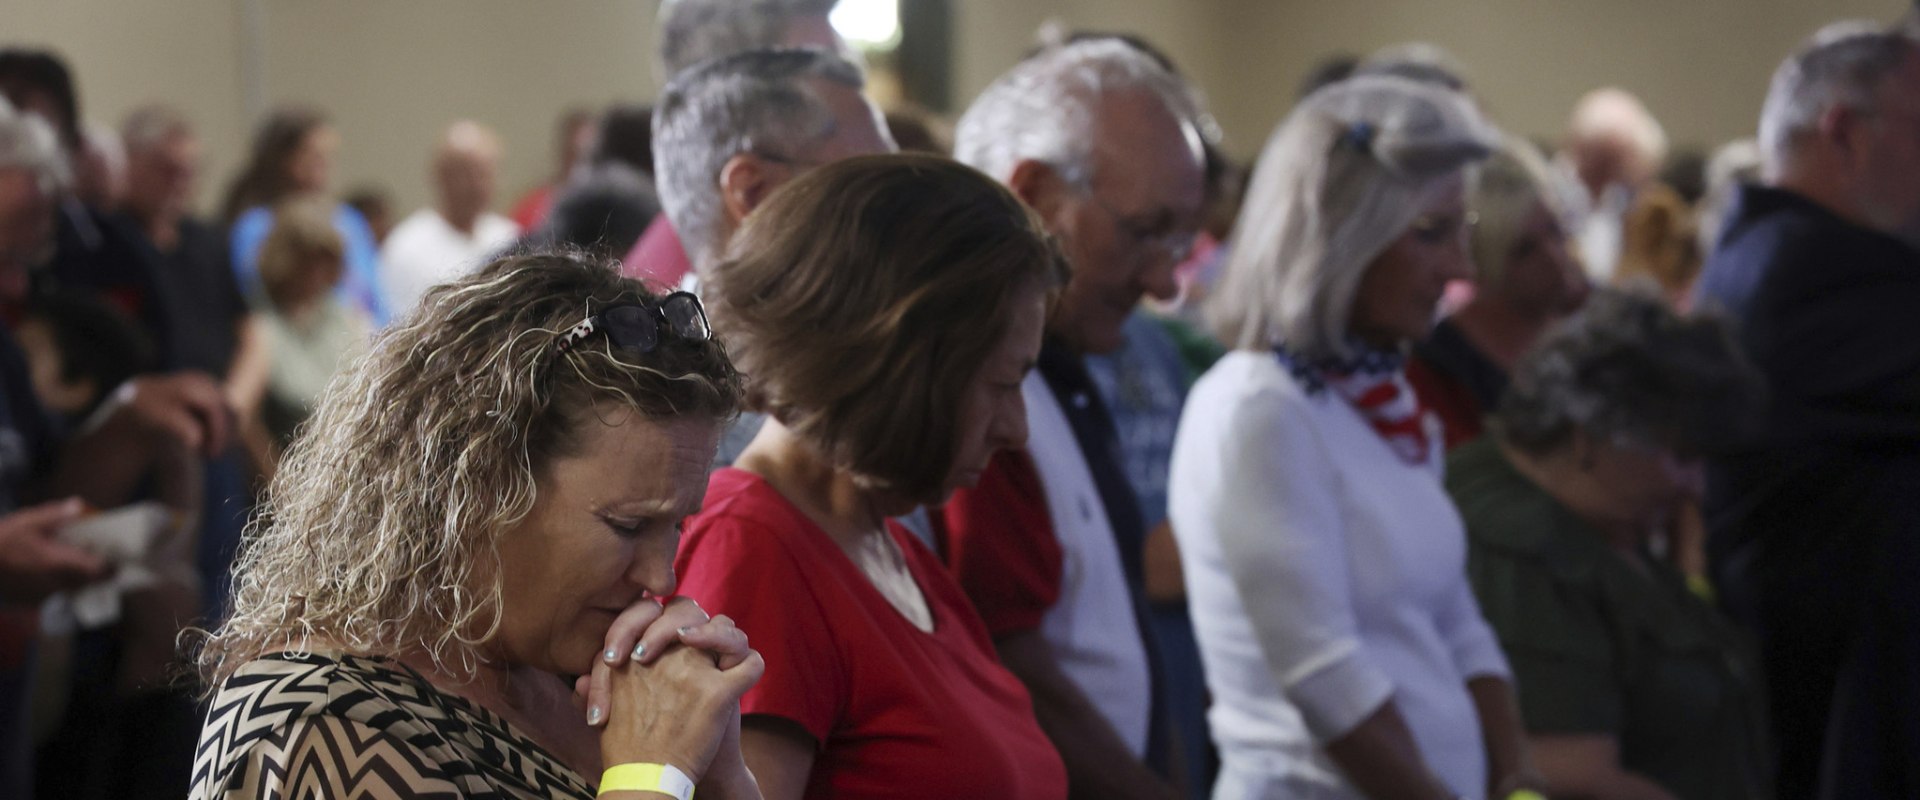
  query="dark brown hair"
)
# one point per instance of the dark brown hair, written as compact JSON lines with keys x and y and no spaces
{"x":265,"y":180}
{"x":863,"y":298}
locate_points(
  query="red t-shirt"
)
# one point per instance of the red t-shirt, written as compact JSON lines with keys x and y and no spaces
{"x":898,"y":712}
{"x":997,"y":539}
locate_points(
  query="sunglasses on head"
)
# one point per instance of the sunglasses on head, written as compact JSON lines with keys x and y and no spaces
{"x":638,"y":326}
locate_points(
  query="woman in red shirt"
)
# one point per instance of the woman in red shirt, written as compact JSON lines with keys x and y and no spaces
{"x":885,"y":309}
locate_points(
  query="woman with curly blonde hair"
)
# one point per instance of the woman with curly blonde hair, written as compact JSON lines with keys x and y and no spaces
{"x":474,"y":528}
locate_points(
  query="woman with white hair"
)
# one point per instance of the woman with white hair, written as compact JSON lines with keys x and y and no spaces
{"x":1325,"y":564}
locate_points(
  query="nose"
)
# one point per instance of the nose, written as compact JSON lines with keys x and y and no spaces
{"x":1455,"y":264}
{"x":1009,"y":430}
{"x":651,"y":567}
{"x":1158,"y":280}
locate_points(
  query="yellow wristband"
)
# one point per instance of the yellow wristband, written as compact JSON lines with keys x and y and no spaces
{"x":1525,"y":794}
{"x":663,"y":778}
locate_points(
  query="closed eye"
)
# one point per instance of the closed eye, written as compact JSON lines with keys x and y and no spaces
{"x":627,"y":529}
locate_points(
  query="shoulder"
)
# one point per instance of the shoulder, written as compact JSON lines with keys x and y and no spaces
{"x":746,"y":540}
{"x":280,"y":688}
{"x":408,"y":232}
{"x":495,"y":226}
{"x":1246,"y":394}
{"x":282,"y":724}
{"x":1503,"y":511}
{"x":740,"y":502}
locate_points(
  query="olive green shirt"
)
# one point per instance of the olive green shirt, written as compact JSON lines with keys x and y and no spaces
{"x":1603,"y":645}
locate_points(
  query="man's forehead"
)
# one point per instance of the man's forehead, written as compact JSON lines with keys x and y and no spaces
{"x":1129,"y":121}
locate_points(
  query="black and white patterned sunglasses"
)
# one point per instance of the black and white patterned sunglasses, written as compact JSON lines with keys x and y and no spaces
{"x":638,"y":326}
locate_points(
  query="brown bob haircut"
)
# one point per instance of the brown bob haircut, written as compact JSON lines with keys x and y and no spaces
{"x":862,"y":299}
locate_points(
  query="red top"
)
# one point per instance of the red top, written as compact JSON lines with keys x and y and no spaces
{"x":897,"y":712}
{"x":658,"y":255}
{"x":997,"y":538}
{"x":1460,"y":414}
{"x":531,"y":209}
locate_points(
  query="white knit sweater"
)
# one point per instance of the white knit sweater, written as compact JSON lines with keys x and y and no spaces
{"x":1325,"y":575}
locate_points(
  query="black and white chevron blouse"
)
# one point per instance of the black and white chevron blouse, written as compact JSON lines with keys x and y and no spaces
{"x":319,"y":726}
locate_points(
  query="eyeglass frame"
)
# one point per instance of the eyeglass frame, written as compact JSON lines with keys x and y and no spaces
{"x":656,"y":312}
{"x":1175,"y":244}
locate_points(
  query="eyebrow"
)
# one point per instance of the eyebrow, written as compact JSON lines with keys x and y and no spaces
{"x":650,"y":508}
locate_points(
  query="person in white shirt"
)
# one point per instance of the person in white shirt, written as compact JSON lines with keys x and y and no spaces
{"x":1614,"y":146}
{"x":457,"y":234}
{"x":1325,"y":564}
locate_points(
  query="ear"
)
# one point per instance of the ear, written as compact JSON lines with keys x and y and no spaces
{"x":1839,"y":125}
{"x":745,"y":181}
{"x":1040,"y":186}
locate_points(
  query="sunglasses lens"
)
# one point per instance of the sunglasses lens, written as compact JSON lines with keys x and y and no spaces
{"x":631,"y":327}
{"x":685,"y":317}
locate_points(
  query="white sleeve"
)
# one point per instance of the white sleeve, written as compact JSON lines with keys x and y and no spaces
{"x":1470,"y":640}
{"x":1257,"y":481}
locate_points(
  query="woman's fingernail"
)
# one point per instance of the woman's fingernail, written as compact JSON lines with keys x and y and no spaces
{"x":684,"y":629}
{"x":611,"y":655}
{"x":639,"y":651}
{"x":593,"y":715}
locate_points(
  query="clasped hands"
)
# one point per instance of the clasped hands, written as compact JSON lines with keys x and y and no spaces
{"x":666,"y":689}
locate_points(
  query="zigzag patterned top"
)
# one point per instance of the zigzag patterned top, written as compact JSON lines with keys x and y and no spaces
{"x":318,"y":726}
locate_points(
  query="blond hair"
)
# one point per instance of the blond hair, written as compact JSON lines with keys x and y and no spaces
{"x":1505,"y":189}
{"x":380,"y":532}
{"x":302,"y":233}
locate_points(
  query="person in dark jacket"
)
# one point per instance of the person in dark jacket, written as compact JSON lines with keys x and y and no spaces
{"x":1814,"y":522}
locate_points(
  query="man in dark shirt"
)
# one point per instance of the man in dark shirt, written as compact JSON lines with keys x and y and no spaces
{"x":187,"y":258}
{"x":1815,"y":522}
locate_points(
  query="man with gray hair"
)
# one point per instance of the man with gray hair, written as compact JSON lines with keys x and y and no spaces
{"x":696,"y":31}
{"x":692,"y":31}
{"x":1102,"y":141}
{"x":1814,"y":521}
{"x":727,"y":132}
{"x":730,"y":130}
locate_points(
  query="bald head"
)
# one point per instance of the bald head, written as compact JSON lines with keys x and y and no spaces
{"x":464,"y":170}
{"x":1613,"y":139}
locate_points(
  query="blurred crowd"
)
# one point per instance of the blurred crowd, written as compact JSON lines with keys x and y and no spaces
{"x":1047,"y":451}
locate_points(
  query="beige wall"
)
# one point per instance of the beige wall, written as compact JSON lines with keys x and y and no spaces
{"x":392,"y":72}
{"x":1701,"y":65}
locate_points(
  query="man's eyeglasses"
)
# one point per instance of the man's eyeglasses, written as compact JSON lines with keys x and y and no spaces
{"x":1175,"y":244}
{"x":638,"y":326}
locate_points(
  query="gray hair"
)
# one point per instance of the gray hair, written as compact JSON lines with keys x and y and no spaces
{"x":754,"y":101}
{"x":1627,"y":369}
{"x":1843,"y":66}
{"x":29,"y":143}
{"x":1340,"y":179}
{"x":1044,"y":108}
{"x":692,"y":31}
{"x":153,"y":126}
